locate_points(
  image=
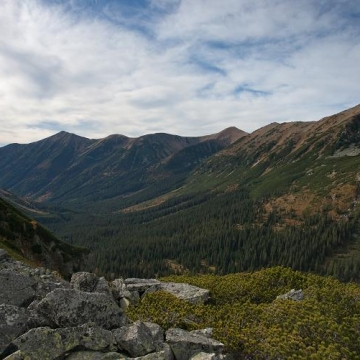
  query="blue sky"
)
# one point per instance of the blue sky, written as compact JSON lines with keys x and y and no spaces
{"x":187,"y":67}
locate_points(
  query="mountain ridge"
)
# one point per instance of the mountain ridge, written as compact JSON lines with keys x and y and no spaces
{"x":46,"y":163}
{"x":286,"y":194}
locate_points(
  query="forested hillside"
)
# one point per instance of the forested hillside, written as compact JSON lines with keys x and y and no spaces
{"x":28,"y":241}
{"x":218,"y":233}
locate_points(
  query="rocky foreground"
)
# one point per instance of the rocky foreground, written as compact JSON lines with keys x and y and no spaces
{"x":45,"y":317}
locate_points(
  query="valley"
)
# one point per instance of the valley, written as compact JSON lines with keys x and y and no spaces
{"x":286,"y":194}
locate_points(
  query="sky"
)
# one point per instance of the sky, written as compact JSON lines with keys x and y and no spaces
{"x":186,"y":67}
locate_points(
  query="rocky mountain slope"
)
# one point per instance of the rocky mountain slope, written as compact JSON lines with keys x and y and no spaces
{"x":27,"y":240}
{"x":44,"y":317}
{"x":270,"y":314}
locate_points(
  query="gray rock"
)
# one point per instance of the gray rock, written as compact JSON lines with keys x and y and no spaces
{"x":48,"y":284}
{"x":48,"y":344}
{"x":157,"y":333}
{"x":163,"y":352}
{"x":293,"y":294}
{"x":13,"y":323}
{"x":124,"y":303}
{"x":69,"y":307}
{"x":3,"y":255}
{"x":187,"y":292}
{"x":119,"y":289}
{"x":84,"y":281}
{"x":140,"y":285}
{"x":15,"y":356}
{"x":136,"y":339}
{"x":206,"y":356}
{"x":16,"y":289}
{"x":208,"y":332}
{"x":160,"y":355}
{"x":134,"y":298}
{"x":184,"y":344}
{"x":89,"y":282}
{"x":92,"y":355}
{"x":102,"y":287}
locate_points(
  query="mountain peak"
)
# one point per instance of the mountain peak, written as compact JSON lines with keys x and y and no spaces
{"x":227,"y":136}
{"x":64,"y":135}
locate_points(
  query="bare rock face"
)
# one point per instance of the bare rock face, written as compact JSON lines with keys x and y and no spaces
{"x":68,"y":307}
{"x":186,"y":345}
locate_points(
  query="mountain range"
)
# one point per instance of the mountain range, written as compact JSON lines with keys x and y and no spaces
{"x":65,"y":168}
{"x":223,"y":202}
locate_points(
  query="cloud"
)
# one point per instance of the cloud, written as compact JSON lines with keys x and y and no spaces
{"x":190,"y":67}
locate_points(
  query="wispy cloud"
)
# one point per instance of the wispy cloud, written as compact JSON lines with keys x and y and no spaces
{"x":181,"y":66}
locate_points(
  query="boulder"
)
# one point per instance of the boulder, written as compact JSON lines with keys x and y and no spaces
{"x":16,"y":289}
{"x":212,"y":356}
{"x":84,"y":281}
{"x":47,"y":344}
{"x":69,"y":307}
{"x":45,"y":284}
{"x":141,"y":285}
{"x":119,"y":289}
{"x":124,"y":303}
{"x":15,"y":356}
{"x":102,"y":287}
{"x":92,"y":355}
{"x":157,"y":333}
{"x":204,"y":356}
{"x":3,"y":255}
{"x":136,"y":339}
{"x":184,"y":344}
{"x":13,"y":323}
{"x":133,"y":298}
{"x":183,"y":291}
{"x":208,"y":332}
{"x":293,"y":294}
{"x":160,"y":355}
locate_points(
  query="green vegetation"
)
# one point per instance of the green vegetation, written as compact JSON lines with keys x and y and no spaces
{"x":26,"y":240}
{"x":215,"y":232}
{"x":247,"y":318}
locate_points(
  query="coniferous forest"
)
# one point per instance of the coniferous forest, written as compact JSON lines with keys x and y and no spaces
{"x":215,"y":233}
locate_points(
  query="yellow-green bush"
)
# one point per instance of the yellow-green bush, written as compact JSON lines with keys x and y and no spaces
{"x":247,"y":318}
